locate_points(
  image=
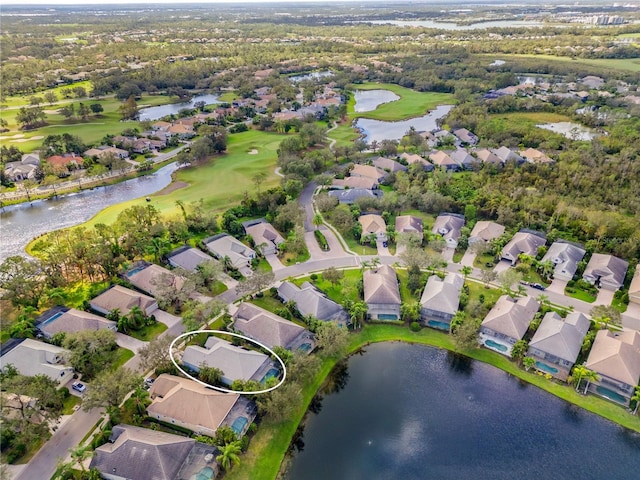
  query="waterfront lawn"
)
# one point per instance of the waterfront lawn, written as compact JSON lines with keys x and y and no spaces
{"x":411,"y":103}
{"x":221,"y":182}
{"x":343,"y":134}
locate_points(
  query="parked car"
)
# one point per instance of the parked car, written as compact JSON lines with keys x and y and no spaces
{"x":538,"y":286}
{"x":79,"y":387}
{"x":385,"y":244}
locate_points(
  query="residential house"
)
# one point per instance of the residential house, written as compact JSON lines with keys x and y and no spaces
{"x":136,"y":453}
{"x":32,"y":158}
{"x":368,"y":171}
{"x":382,"y":293}
{"x":31,"y":357}
{"x":123,"y":299}
{"x":441,"y":136}
{"x":161,"y":126}
{"x":191,"y":405}
{"x":463,"y":158}
{"x":557,"y":343}
{"x":634,"y":288}
{"x":62,"y":164}
{"x":350,"y":196}
{"x":605,"y":271}
{"x":106,"y":150}
{"x":355,"y":182}
{"x":592,"y":81}
{"x":524,"y":242}
{"x":312,"y":302}
{"x":507,"y":322}
{"x":236,"y":363}
{"x":388,"y":165}
{"x":150,"y":278}
{"x":265,"y":237}
{"x":532,"y":155}
{"x":440,"y":300}
{"x":184,"y":132}
{"x":373,"y":224}
{"x":412,"y":158}
{"x":443,"y":160}
{"x":224,"y":246}
{"x":465,"y":136}
{"x":565,"y":256}
{"x":188,"y":258}
{"x":270,"y":329}
{"x":409,"y":224}
{"x":69,"y":320}
{"x":449,"y":226}
{"x":485,"y":231}
{"x":507,"y":155}
{"x":18,"y":171}
{"x":615,"y":357}
{"x":487,"y":156}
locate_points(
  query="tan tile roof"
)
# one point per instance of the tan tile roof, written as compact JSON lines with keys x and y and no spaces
{"x":408,"y":223}
{"x":616,"y":355}
{"x":487,"y":230}
{"x":372,"y":224}
{"x":381,"y":286}
{"x":123,"y":299}
{"x":511,"y":317}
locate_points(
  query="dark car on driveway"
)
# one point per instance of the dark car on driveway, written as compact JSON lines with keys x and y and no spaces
{"x":537,"y":286}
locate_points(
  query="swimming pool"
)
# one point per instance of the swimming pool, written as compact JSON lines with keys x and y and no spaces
{"x":611,"y":395}
{"x":52,"y":318}
{"x":496,"y":346}
{"x":546,"y":368}
{"x":131,"y":273}
{"x":438,"y":325}
{"x":305,"y":347}
{"x":387,"y":316}
{"x":272,"y":373}
{"x":239,"y":424}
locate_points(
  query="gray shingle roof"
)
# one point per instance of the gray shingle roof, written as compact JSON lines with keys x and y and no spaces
{"x":607,"y":268}
{"x":381,"y":286}
{"x":351,"y":195}
{"x":565,"y":256}
{"x":310,"y":301}
{"x":73,"y":321}
{"x":561,"y":337}
{"x":408,"y":223}
{"x":123,"y":299}
{"x":267,"y":328}
{"x":523,"y":242}
{"x":188,"y":258}
{"x":484,"y":230}
{"x":443,"y":295}
{"x":31,"y":357}
{"x":511,"y":317}
{"x":448,"y":225}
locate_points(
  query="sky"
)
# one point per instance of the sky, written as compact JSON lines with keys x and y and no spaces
{"x":150,"y":4}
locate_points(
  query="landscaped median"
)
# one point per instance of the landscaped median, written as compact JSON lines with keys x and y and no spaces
{"x":270,"y":444}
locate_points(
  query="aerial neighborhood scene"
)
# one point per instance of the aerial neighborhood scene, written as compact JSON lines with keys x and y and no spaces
{"x":319,"y":240}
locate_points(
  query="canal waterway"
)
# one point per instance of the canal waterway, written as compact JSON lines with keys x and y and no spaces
{"x":23,"y":222}
{"x":415,"y":412}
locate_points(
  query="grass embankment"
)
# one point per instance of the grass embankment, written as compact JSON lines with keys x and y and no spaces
{"x":271,"y":442}
{"x":411,"y":103}
{"x":90,"y":131}
{"x":629,"y":64}
{"x":343,"y":134}
{"x":221,"y":183}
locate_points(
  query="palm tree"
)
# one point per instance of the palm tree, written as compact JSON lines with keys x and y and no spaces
{"x":229,"y":455}
{"x":528,"y":362}
{"x":357,"y":312}
{"x":543,"y":299}
{"x":590,"y":376}
{"x":317,"y":220}
{"x":636,"y":398}
{"x":80,"y":454}
{"x":578,"y":374}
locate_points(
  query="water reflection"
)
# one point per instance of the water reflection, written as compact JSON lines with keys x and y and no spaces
{"x":155,"y":113}
{"x":459,"y":364}
{"x":337,"y":379}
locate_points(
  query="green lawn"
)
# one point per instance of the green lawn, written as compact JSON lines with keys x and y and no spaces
{"x":580,"y":294}
{"x":221,"y":183}
{"x":630,"y":64}
{"x":269,"y":445}
{"x":356,"y":247}
{"x":267,"y":302}
{"x":218,"y":288}
{"x":411,"y":103}
{"x":405,"y":294}
{"x":20,"y":100}
{"x":343,"y":134}
{"x":90,"y":132}
{"x":68,"y":404}
{"x":149,"y":333}
{"x":347,"y":289}
{"x":123,"y":355}
{"x":228,"y":97}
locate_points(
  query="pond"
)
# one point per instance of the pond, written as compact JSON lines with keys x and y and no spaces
{"x":310,"y":76}
{"x":455,"y":26}
{"x":379,"y":130}
{"x":573,"y":131}
{"x":368,"y":100}
{"x":416,"y":412}
{"x":23,"y":222}
{"x":156,"y":113}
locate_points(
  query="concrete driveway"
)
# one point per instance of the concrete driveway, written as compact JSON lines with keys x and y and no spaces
{"x":502,"y":266}
{"x":166,"y":318}
{"x":274,"y":261}
{"x":468,"y":258}
{"x":447,"y":254}
{"x":557,"y":286}
{"x":382,"y":250}
{"x":605,"y":297}
{"x":130,"y":343}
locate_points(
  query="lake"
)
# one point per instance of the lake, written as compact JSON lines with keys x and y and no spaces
{"x":23,"y":222}
{"x":310,"y":76}
{"x":455,"y":26}
{"x":379,"y":130}
{"x":369,"y":100}
{"x":156,"y":113}
{"x":416,"y":412}
{"x":573,"y":131}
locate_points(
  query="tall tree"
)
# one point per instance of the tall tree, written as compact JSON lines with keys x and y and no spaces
{"x":229,"y":455}
{"x":109,"y":388}
{"x":332,"y":339}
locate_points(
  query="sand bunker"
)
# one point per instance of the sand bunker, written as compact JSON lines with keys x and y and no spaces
{"x":11,"y":137}
{"x":253,"y":152}
{"x":37,"y":137}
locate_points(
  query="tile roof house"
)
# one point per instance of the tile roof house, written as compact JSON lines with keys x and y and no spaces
{"x":106,"y":150}
{"x":412,"y":158}
{"x":382,"y":293}
{"x":70,"y":320}
{"x":443,"y":160}
{"x":123,"y":299}
{"x":388,"y":165}
{"x":31,"y":357}
{"x":270,"y":329}
{"x":188,"y":258}
{"x":532,"y":155}
{"x":487,"y":156}
{"x":18,"y":171}
{"x":507,"y":155}
{"x":310,"y":301}
{"x":136,"y":453}
{"x":191,"y":405}
{"x":265,"y":237}
{"x":605,"y":271}
{"x":355,"y":182}
{"x":147,"y":278}
{"x":523,"y":242}
{"x":449,"y":226}
{"x":409,"y":224}
{"x":350,"y":196}
{"x":556,"y":344}
{"x":507,"y":322}
{"x":634,"y":288}
{"x":368,"y":171}
{"x":373,"y":224}
{"x":484,"y":231}
{"x":440,"y":300}
{"x":615,"y":357}
{"x":236,"y":363}
{"x":224,"y":245}
{"x":463,"y":158}
{"x":566,"y":257}
{"x":465,"y":136}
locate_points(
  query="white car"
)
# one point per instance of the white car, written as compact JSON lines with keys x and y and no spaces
{"x":78,"y":387}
